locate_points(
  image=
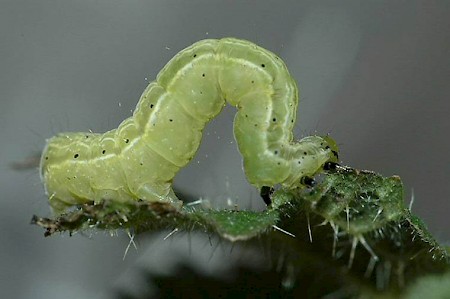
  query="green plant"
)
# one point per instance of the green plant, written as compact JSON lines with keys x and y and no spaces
{"x":351,"y":235}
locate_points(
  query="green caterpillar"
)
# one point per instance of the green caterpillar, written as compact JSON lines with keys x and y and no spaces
{"x":139,"y":159}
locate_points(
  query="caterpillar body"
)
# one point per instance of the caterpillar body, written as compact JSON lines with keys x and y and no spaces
{"x":139,"y":159}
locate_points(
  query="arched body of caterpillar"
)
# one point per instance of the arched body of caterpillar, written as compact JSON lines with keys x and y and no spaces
{"x":139,"y":159}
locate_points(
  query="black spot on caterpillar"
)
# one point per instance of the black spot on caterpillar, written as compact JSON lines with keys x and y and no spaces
{"x":139,"y":159}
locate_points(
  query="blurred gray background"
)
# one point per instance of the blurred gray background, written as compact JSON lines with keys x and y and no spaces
{"x":373,"y":74}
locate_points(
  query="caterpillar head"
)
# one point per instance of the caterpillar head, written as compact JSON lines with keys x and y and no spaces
{"x":309,"y":157}
{"x":327,"y":158}
{"x":332,"y":145}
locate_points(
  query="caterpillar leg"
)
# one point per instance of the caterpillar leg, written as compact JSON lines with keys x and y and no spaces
{"x":266,"y":193}
{"x":158,"y":193}
{"x":308,"y":181}
{"x":330,"y":166}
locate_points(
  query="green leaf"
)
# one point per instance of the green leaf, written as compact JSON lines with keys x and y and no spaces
{"x":352,"y":229}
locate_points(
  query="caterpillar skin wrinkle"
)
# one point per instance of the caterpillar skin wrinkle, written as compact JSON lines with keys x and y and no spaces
{"x":139,"y":159}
